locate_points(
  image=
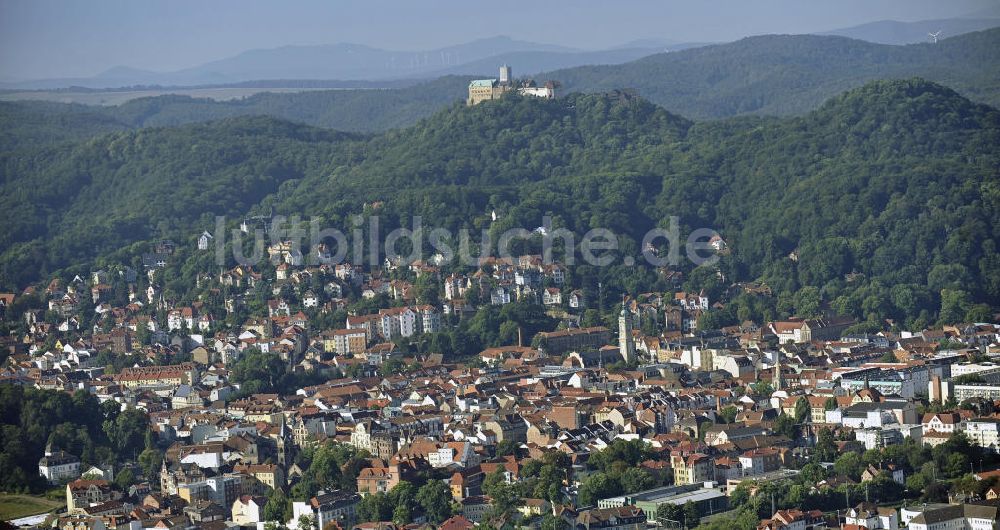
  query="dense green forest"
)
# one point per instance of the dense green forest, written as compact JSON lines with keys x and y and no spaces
{"x":28,"y":124}
{"x":70,"y":203}
{"x":765,"y":75}
{"x":792,"y":74}
{"x":883,"y":203}
{"x":101,"y":434}
{"x":360,"y":110}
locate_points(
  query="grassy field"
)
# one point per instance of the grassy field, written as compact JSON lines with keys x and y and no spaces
{"x":17,"y":506}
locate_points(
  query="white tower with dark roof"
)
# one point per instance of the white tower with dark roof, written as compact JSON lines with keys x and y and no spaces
{"x":626,"y":342}
{"x":505,"y":75}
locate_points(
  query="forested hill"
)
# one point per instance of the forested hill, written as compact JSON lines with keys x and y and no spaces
{"x":898,"y":181}
{"x":71,"y":204}
{"x":792,"y":74}
{"x":892,"y":184}
{"x":358,"y":110}
{"x":772,"y":75}
{"x":29,"y":124}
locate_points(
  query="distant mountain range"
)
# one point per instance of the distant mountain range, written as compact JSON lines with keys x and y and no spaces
{"x":352,"y":62}
{"x":348,"y":63}
{"x":767,"y":75}
{"x":895,"y":32}
{"x":792,"y":74}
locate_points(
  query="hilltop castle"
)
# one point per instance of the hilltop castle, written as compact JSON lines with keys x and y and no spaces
{"x":487,"y":89}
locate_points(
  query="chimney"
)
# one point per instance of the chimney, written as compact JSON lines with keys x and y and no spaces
{"x":519,"y":337}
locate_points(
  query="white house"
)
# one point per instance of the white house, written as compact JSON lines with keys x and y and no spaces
{"x":248,"y":510}
{"x":340,"y":506}
{"x":397,"y":322}
{"x":943,"y":422}
{"x":204,"y":240}
{"x":552,"y":296}
{"x":984,"y":432}
{"x":310,"y":299}
{"x":460,"y":453}
{"x":430,"y":318}
{"x":500,"y":296}
{"x":872,"y":517}
{"x":58,"y":466}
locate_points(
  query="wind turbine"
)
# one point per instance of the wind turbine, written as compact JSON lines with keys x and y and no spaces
{"x":934,"y":36}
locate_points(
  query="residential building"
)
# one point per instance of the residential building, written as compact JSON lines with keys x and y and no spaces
{"x":622,"y":518}
{"x":82,"y":494}
{"x":579,"y":339}
{"x":694,"y":468}
{"x":58,"y":466}
{"x":984,"y":432}
{"x":248,"y":510}
{"x":336,"y":506}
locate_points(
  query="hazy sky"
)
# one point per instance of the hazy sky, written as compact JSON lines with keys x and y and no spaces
{"x":76,"y":38}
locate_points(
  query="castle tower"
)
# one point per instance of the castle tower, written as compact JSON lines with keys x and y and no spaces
{"x":505,"y":75}
{"x":626,"y":342}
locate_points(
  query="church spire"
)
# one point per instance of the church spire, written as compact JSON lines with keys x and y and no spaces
{"x":626,"y":342}
{"x":778,"y":383}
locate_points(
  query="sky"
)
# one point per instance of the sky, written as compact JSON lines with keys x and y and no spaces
{"x":76,"y":38}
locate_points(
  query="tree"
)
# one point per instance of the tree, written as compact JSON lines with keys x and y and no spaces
{"x":403,"y":493}
{"x":802,"y":410}
{"x":150,"y":461}
{"x":785,"y":426}
{"x":596,"y":487}
{"x":762,"y":388}
{"x":503,"y":500}
{"x":979,"y":313}
{"x":277,"y":508}
{"x":256,"y":371}
{"x":375,"y":507}
{"x":670,"y":513}
{"x":826,"y":448}
{"x":507,"y":447}
{"x":552,"y":522}
{"x":124,"y":479}
{"x":349,"y":472}
{"x":127,"y":432}
{"x":401,"y":515}
{"x":813,"y":473}
{"x":728,"y":414}
{"x":935,"y":492}
{"x":954,"y":305}
{"x":691,"y":515}
{"x":426,"y":288}
{"x":435,"y":498}
{"x":850,"y":465}
{"x":493,"y":480}
{"x":807,"y":301}
{"x":636,"y":479}
{"x":957,"y":464}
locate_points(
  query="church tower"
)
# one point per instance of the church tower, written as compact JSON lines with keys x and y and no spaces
{"x":778,"y":383}
{"x":626,"y":342}
{"x":285,"y":445}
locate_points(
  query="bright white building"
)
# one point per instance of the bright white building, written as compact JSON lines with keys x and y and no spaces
{"x":984,"y":432}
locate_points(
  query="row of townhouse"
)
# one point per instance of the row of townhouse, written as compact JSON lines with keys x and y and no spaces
{"x":392,"y":323}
